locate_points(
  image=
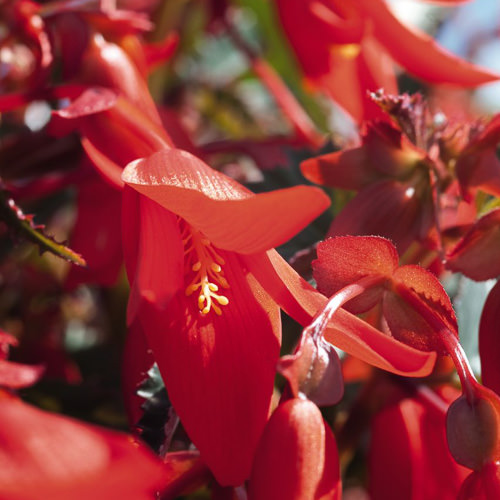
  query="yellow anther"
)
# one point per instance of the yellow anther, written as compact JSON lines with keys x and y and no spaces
{"x":222,"y":300}
{"x":205,"y":262}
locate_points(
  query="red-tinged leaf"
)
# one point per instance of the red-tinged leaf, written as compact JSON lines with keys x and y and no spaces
{"x":313,"y":371}
{"x":96,"y":234}
{"x":297,"y":456}
{"x":482,"y":485}
{"x":418,"y":53}
{"x":42,"y":456}
{"x":349,"y":333}
{"x":372,"y":211}
{"x":16,"y":375}
{"x":479,"y":170}
{"x":385,"y":152}
{"x":476,"y":254}
{"x":409,"y":456}
{"x":23,"y":226}
{"x":344,"y":260}
{"x":215,"y":204}
{"x":185,"y":472}
{"x":218,"y":369}
{"x":489,"y":340}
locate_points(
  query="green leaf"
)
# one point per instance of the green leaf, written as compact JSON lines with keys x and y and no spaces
{"x":23,"y":226}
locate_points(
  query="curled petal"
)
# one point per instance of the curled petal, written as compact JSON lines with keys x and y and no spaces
{"x":349,"y":333}
{"x":216,"y":204}
{"x":418,"y":53}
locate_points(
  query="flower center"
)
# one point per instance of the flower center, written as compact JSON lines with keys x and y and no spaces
{"x":206,"y":264}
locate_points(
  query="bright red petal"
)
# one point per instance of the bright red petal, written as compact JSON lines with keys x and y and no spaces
{"x":489,"y":340}
{"x":96,"y":235}
{"x":216,"y":205}
{"x":44,"y":455}
{"x":418,"y":52}
{"x":302,"y":302}
{"x":218,"y":370}
{"x":409,"y":456}
{"x":297,"y":456}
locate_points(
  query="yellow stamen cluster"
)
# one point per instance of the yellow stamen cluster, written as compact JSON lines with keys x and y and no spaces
{"x":207,"y":264}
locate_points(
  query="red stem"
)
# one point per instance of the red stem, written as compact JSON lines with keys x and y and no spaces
{"x":321,"y":320}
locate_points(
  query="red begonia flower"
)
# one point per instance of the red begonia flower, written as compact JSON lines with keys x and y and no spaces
{"x":44,"y":455}
{"x":213,"y":329}
{"x":476,"y":254}
{"x":409,"y":456}
{"x":489,"y":342}
{"x":355,"y":49}
{"x":297,"y":456}
{"x":343,"y":261}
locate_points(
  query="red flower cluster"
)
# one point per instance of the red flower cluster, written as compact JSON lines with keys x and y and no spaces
{"x":211,"y":304}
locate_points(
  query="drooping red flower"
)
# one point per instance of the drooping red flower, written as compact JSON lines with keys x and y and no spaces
{"x":409,"y":456}
{"x":355,"y":47}
{"x":214,"y":331}
{"x":296,"y":457}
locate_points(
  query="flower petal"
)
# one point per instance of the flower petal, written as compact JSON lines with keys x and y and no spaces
{"x":297,"y":456}
{"x":218,"y":370}
{"x":216,"y":205}
{"x":418,"y":52}
{"x":347,"y":332}
{"x":409,"y":456}
{"x":96,"y":234}
{"x":44,"y":455}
